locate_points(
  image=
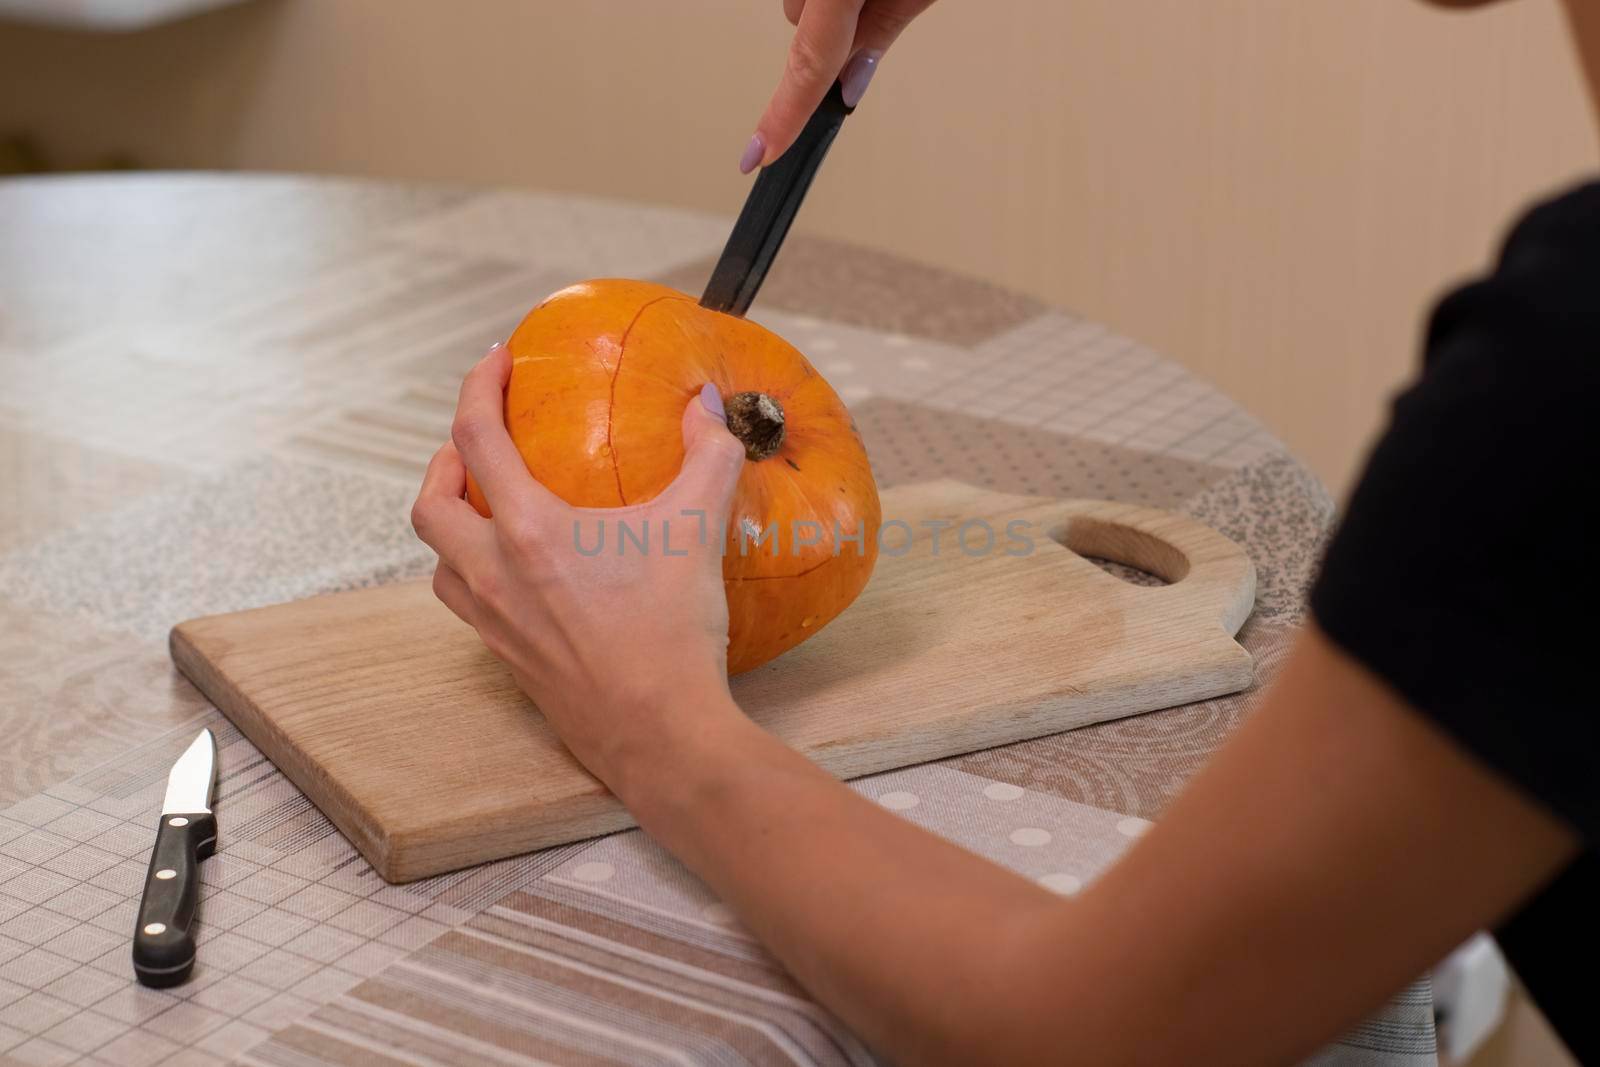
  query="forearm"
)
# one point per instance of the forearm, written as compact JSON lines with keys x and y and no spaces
{"x":1336,"y":848}
{"x":910,"y":939}
{"x":1333,"y":850}
{"x":935,"y":955}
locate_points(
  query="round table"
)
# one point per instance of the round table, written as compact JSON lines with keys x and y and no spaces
{"x":220,"y":392}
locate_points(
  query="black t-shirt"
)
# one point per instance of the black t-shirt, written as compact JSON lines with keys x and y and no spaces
{"x":1464,"y":570}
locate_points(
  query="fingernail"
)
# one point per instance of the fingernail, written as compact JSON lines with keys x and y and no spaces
{"x":857,"y":74}
{"x":711,"y":400}
{"x":752,"y":154}
{"x":497,"y":346}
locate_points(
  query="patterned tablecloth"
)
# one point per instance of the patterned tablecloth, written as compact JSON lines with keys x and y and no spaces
{"x":219,"y":392}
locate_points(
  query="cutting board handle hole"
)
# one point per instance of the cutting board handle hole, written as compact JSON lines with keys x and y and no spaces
{"x":1131,"y":575}
{"x":1134,"y":556}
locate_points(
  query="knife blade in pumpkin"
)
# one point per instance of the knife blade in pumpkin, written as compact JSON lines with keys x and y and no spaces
{"x":163,"y":946}
{"x":770,"y":209}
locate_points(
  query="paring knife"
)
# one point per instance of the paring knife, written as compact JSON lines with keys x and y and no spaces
{"x":770,"y":208}
{"x":163,"y":948}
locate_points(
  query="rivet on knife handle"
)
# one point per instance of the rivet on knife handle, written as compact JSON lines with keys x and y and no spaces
{"x":163,"y":947}
{"x":770,"y":208}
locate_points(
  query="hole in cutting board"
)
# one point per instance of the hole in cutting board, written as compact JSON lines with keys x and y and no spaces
{"x":1129,"y":574}
{"x":1126,"y":554}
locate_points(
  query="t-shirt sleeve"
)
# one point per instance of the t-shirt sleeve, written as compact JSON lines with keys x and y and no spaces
{"x":1463,"y":571}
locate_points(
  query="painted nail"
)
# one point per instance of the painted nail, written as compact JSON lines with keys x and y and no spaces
{"x":711,"y":400}
{"x":752,"y":154}
{"x":857,"y":74}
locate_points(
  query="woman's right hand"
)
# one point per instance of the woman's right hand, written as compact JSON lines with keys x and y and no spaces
{"x":841,"y":39}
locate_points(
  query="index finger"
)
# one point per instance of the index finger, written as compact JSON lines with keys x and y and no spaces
{"x":443,"y":520}
{"x":822,"y":42}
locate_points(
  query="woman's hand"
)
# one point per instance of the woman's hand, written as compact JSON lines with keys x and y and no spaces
{"x":624,"y":649}
{"x":841,"y":39}
{"x":1339,"y":841}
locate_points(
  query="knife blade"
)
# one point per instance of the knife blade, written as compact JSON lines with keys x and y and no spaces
{"x":163,"y":947}
{"x":770,"y":208}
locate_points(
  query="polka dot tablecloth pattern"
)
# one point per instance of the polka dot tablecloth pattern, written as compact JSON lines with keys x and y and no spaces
{"x":220,"y":392}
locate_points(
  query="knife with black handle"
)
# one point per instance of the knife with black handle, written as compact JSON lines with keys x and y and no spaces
{"x":770,"y":208}
{"x":163,"y":943}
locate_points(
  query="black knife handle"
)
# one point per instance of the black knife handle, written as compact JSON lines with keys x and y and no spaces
{"x":770,"y":208}
{"x":163,"y":947}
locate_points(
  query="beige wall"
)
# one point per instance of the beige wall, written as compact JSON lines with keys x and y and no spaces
{"x":1267,"y":190}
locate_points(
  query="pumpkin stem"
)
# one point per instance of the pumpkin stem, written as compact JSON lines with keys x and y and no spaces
{"x":757,"y":420}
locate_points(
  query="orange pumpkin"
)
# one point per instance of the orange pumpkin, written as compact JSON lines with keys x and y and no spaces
{"x":600,"y":375}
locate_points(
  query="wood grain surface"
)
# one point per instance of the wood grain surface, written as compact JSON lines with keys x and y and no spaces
{"x":393,"y":718}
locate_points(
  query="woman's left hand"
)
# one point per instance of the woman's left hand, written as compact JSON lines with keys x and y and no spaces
{"x":624,"y":652}
{"x":1324,"y":846}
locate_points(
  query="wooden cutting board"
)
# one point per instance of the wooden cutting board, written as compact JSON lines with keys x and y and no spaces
{"x":390,"y":715}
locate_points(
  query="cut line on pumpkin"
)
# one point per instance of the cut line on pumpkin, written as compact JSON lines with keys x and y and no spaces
{"x":616,"y":372}
{"x":772,"y":577}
